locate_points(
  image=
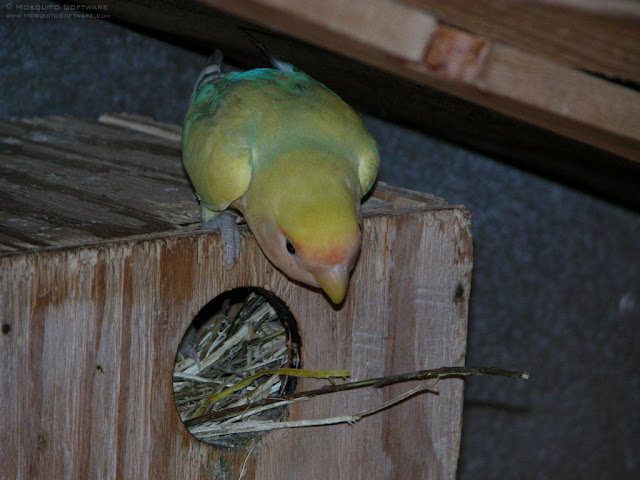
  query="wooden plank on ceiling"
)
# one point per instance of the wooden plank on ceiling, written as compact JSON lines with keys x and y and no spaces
{"x":505,"y":78}
{"x":600,"y":36}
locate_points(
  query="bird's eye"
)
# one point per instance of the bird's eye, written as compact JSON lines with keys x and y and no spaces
{"x":290,"y":247}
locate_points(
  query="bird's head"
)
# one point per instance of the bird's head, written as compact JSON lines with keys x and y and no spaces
{"x":308,"y":221}
{"x":318,"y":244}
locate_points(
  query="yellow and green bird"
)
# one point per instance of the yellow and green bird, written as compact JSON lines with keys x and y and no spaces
{"x":292,"y":158}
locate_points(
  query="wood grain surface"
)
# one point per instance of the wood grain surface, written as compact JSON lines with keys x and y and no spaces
{"x":600,"y":36}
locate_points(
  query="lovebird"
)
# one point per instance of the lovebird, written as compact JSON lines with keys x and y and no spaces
{"x":291,"y":157}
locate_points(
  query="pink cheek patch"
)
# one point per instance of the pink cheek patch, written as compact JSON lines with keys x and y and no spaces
{"x":336,"y":254}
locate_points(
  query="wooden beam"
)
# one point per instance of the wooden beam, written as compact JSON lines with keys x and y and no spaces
{"x":593,"y":35}
{"x":503,"y":78}
{"x":517,"y":83}
{"x":404,"y":33}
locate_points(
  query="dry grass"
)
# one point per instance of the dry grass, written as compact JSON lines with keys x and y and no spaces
{"x":240,"y":340}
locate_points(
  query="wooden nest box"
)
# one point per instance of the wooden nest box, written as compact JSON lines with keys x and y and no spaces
{"x":103,"y":267}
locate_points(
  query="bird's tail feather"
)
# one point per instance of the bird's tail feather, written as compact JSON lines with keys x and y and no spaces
{"x":212,"y":70}
{"x":279,"y":62}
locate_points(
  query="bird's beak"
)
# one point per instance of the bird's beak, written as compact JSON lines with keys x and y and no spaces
{"x":334,"y":282}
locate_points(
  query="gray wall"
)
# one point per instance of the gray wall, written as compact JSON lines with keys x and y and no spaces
{"x":556,"y":287}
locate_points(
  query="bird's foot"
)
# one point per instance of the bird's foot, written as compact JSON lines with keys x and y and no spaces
{"x":226,"y":223}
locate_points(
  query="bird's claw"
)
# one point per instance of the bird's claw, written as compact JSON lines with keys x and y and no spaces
{"x":225,"y":223}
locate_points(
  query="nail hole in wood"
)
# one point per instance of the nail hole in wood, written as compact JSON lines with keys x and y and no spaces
{"x":457,"y":296}
{"x":235,"y":336}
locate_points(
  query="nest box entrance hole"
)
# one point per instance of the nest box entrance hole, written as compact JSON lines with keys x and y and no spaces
{"x":235,"y":337}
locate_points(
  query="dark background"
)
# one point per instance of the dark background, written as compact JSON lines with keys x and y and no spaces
{"x":556,"y":282}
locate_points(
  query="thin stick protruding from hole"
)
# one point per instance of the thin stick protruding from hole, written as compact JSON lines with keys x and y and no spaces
{"x":438,"y":373}
{"x":265,"y":425}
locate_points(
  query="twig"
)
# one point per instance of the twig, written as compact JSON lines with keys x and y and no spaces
{"x":265,"y":425}
{"x":438,"y":373}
